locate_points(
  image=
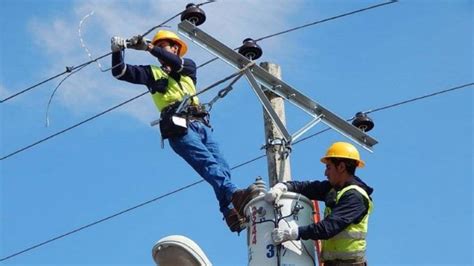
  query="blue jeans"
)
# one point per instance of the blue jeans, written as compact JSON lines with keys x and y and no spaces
{"x":199,"y":150}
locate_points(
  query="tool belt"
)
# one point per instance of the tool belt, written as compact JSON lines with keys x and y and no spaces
{"x":173,"y":124}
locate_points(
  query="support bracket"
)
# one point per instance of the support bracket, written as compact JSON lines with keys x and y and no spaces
{"x":258,"y":75}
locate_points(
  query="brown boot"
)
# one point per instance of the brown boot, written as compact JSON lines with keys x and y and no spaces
{"x":234,"y":221}
{"x":241,"y":197}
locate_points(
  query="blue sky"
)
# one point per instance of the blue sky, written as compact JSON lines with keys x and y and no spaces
{"x":421,"y":170}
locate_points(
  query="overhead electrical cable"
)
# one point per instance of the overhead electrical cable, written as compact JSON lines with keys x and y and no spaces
{"x":233,"y":168}
{"x":81,"y":66}
{"x":311,"y":24}
{"x":215,"y":84}
{"x":103,"y":112}
{"x":326,"y":19}
{"x":142,"y":94}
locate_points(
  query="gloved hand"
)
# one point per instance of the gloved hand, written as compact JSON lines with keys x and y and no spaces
{"x":282,"y":235}
{"x":138,"y":43}
{"x":274,"y":194}
{"x":117,"y":44}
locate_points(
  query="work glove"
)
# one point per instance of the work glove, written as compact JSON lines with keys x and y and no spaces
{"x":117,"y":44}
{"x":138,"y":43}
{"x":274,"y":194}
{"x":282,"y":235}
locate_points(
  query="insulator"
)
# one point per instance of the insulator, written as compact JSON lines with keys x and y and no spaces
{"x":193,"y":14}
{"x":250,"y":49}
{"x":363,"y":122}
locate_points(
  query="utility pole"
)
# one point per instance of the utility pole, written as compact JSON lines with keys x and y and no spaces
{"x":277,"y":154}
{"x":292,"y":209}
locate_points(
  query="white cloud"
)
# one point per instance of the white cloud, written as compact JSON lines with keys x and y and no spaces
{"x":91,"y":90}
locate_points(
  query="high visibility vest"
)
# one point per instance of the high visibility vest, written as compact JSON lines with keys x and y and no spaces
{"x":175,"y":91}
{"x":350,"y":243}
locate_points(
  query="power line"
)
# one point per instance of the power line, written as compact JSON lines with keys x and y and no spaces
{"x":100,"y":221}
{"x":118,"y":213}
{"x":419,"y":98}
{"x":140,"y":95}
{"x":233,"y":168}
{"x":310,"y":24}
{"x":71,"y":127}
{"x":68,"y":70}
{"x":74,"y":69}
{"x":325,"y":20}
{"x":106,"y":111}
{"x":394,"y":105}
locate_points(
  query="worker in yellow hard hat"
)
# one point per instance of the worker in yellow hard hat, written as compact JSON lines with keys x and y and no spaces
{"x":173,"y":85}
{"x":348,"y":206}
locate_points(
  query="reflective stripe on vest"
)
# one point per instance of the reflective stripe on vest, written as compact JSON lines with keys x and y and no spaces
{"x":350,"y":243}
{"x":175,"y":91}
{"x":352,"y":235}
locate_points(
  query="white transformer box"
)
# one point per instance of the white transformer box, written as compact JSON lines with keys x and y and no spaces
{"x":292,"y":209}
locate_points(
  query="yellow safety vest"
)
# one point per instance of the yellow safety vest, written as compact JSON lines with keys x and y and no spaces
{"x":350,"y":243}
{"x":175,"y":91}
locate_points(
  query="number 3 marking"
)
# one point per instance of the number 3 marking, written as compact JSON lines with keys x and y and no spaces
{"x":271,"y":251}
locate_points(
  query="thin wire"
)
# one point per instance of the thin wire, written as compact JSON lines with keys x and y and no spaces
{"x":106,"y":111}
{"x":72,"y":68}
{"x":116,"y":214}
{"x":307,"y":25}
{"x":419,"y":98}
{"x":54,"y":92}
{"x":142,"y":95}
{"x":302,"y":244}
{"x":71,"y":127}
{"x":82,"y":39}
{"x":100,"y":221}
{"x":208,"y":62}
{"x":68,"y":70}
{"x":36,"y":85}
{"x":392,"y":106}
{"x":324,"y":20}
{"x":197,"y":182}
{"x":98,"y":63}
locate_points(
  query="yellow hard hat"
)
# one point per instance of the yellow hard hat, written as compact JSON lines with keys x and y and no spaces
{"x":169,"y":35}
{"x":343,"y":150}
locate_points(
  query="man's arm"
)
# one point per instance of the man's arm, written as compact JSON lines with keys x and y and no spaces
{"x":168,"y":59}
{"x":183,"y":66}
{"x":130,"y":73}
{"x":315,"y":190}
{"x":351,"y":208}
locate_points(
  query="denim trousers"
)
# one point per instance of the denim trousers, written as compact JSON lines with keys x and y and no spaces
{"x":199,"y":149}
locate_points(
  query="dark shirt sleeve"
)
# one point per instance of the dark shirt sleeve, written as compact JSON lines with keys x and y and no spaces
{"x":169,"y":59}
{"x":351,"y":208}
{"x":143,"y":74}
{"x":189,"y":69}
{"x":178,"y":65}
{"x":314,"y":190}
{"x":130,"y":73}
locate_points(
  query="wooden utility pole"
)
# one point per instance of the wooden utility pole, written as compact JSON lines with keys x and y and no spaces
{"x":277,"y":156}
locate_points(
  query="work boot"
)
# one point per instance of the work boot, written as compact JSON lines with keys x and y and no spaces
{"x":241,"y":197}
{"x":234,"y":221}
